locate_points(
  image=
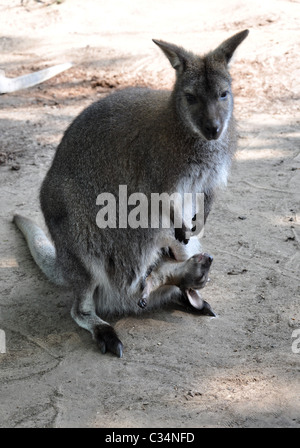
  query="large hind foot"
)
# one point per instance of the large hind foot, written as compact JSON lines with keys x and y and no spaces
{"x":107,"y":340}
{"x":83,"y":312}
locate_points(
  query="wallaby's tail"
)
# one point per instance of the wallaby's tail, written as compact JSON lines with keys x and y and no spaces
{"x":41,"y":249}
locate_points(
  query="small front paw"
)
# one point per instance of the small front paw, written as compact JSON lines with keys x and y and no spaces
{"x":180,"y":235}
{"x":142,"y":303}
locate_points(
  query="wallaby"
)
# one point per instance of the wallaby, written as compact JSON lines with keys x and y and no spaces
{"x":189,"y":276}
{"x":151,"y":141}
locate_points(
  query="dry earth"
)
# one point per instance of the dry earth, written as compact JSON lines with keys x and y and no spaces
{"x":178,"y":370}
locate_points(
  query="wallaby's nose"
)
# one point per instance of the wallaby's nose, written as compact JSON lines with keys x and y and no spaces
{"x":212,"y":130}
{"x":208,"y":259}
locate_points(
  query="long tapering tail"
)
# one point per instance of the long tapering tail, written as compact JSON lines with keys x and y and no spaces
{"x":42,"y":250}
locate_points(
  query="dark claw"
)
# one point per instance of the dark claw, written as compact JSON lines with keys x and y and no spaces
{"x":119,"y":349}
{"x":142,"y":303}
{"x":207,"y":310}
{"x":107,"y":340}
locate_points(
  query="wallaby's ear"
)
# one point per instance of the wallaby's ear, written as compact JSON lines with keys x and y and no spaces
{"x":228,"y":47}
{"x":176,"y":55}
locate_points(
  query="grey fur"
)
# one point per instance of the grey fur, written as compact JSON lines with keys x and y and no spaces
{"x":152,"y":141}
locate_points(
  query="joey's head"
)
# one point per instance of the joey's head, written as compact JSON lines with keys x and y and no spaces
{"x":202,"y":91}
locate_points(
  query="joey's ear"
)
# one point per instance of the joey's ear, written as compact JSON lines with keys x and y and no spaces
{"x":177,"y":56}
{"x":227,"y":48}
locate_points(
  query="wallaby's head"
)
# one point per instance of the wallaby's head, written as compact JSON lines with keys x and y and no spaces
{"x":203,"y":86}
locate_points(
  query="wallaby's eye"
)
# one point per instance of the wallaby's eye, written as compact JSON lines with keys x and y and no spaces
{"x":224,"y":95}
{"x":191,"y":99}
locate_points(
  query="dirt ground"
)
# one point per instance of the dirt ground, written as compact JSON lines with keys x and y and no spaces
{"x":179,"y":370}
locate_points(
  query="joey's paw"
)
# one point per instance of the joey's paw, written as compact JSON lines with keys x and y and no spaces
{"x":142,"y":303}
{"x":107,"y":340}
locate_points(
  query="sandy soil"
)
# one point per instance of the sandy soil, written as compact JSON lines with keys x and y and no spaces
{"x":178,"y":370}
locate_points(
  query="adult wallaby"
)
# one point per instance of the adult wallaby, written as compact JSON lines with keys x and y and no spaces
{"x":151,"y":141}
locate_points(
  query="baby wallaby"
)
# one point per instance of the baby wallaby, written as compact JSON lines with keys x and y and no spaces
{"x":151,"y":141}
{"x":189,"y":276}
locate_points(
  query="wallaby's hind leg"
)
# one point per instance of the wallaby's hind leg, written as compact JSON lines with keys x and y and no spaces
{"x":189,"y":299}
{"x":84,"y":314}
{"x":162,"y":295}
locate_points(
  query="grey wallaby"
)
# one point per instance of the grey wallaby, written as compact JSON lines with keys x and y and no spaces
{"x":151,"y":141}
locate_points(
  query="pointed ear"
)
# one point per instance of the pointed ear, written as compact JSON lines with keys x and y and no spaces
{"x":177,"y":56}
{"x":194,"y":298}
{"x":227,"y":48}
